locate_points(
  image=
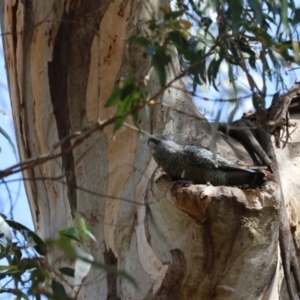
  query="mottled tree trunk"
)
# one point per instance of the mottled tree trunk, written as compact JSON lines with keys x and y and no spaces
{"x":63,"y":59}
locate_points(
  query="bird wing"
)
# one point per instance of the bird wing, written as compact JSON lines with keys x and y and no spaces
{"x":228,"y":164}
{"x":208,"y":160}
{"x":200,"y":157}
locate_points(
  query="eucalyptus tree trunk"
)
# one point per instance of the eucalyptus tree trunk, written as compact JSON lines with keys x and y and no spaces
{"x":63,"y":59}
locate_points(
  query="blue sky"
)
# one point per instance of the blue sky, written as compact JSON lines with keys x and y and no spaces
{"x":16,"y":197}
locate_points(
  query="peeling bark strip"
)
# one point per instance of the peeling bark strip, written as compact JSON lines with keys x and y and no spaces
{"x":111,"y":279}
{"x":172,"y":283}
{"x":58,"y":82}
{"x":69,"y":70}
{"x":28,"y":33}
{"x":14,"y":23}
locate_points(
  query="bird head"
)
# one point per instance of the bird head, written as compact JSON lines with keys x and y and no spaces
{"x":161,"y":147}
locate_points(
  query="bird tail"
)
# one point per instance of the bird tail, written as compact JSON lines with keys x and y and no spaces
{"x":258,"y":177}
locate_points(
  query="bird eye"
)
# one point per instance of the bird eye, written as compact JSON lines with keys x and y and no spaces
{"x":152,"y":143}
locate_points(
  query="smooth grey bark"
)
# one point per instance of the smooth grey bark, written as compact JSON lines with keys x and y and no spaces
{"x":63,"y":59}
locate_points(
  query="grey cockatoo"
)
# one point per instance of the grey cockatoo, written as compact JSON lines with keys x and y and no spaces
{"x":199,"y":165}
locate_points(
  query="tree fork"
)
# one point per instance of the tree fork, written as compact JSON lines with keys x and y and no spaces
{"x":258,"y":140}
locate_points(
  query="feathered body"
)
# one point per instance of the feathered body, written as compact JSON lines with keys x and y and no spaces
{"x":199,"y":165}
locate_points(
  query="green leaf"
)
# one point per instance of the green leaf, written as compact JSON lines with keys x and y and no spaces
{"x":244,"y":46}
{"x":80,"y":226}
{"x":217,"y":67}
{"x":141,"y":41}
{"x":214,"y":3}
{"x":270,"y":19}
{"x":195,"y":8}
{"x":160,"y":70}
{"x":118,"y":123}
{"x":296,"y":17}
{"x":65,"y":244}
{"x":284,"y":52}
{"x":236,"y":9}
{"x":195,"y":84}
{"x":67,"y":271}
{"x":173,"y":14}
{"x":28,"y":263}
{"x":231,"y":46}
{"x":127,"y":90}
{"x":70,"y":230}
{"x":232,"y":57}
{"x":39,"y":275}
{"x":17,"y":255}
{"x":191,"y":56}
{"x":57,"y":288}
{"x":71,"y":237}
{"x":82,"y":267}
{"x":202,"y":67}
{"x":90,"y":235}
{"x":114,"y":98}
{"x":257,"y":10}
{"x":4,"y":268}
{"x":15,"y":292}
{"x":135,"y":119}
{"x":3,"y":275}
{"x":259,"y":33}
{"x":125,"y":106}
{"x":152,"y":25}
{"x":273,"y":58}
{"x":74,"y":254}
{"x":128,"y":95}
{"x":178,"y":40}
{"x":213,"y":70}
{"x":284,"y":13}
{"x":206,"y":22}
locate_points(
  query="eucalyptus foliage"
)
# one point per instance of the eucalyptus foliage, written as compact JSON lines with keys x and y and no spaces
{"x":25,"y":272}
{"x":258,"y":39}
